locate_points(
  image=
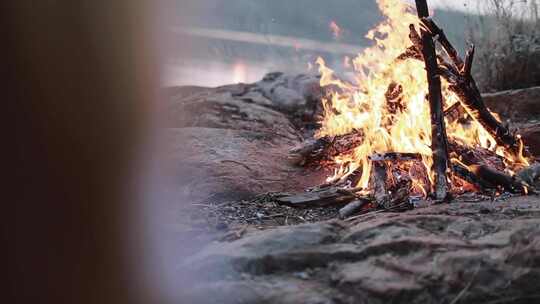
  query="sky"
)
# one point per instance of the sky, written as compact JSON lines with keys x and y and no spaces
{"x":468,"y":5}
{"x":456,"y":4}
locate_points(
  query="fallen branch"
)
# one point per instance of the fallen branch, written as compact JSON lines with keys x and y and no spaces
{"x":317,"y":199}
{"x":352,"y":208}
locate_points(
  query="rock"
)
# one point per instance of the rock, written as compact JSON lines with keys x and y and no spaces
{"x":429,"y":255}
{"x":264,"y":252}
{"x":224,"y":109}
{"x":232,"y":142}
{"x":290,"y":93}
{"x":214,"y":164}
{"x":516,"y":105}
{"x":531,"y":137}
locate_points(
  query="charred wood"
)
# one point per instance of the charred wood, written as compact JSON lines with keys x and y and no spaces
{"x":439,"y":141}
{"x":464,"y":173}
{"x":415,"y":50}
{"x":498,"y":178}
{"x":353,"y":208}
{"x":394,"y":98}
{"x":378,"y":179}
{"x":463,"y":85}
{"x":411,"y":52}
{"x":399,"y":198}
{"x":454,"y":113}
{"x":476,"y":156}
{"x":467,"y":68}
{"x":439,"y":34}
{"x":325,"y":148}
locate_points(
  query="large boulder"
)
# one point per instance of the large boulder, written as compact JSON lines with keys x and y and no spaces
{"x":232,"y":142}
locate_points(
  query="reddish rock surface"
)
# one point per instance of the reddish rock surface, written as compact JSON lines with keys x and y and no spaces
{"x":516,"y":105}
{"x":232,"y":142}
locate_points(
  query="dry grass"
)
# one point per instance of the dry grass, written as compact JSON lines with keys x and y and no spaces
{"x":507,"y":35}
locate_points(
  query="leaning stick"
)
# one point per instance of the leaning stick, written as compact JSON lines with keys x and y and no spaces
{"x":462,"y":84}
{"x":439,"y":142}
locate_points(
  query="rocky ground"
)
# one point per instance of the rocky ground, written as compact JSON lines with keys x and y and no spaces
{"x":229,"y":150}
{"x":453,"y":253}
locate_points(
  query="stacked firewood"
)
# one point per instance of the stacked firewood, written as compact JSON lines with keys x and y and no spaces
{"x":392,"y":190}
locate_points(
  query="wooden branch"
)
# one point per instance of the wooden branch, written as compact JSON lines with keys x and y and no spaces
{"x":467,"y":68}
{"x":462,"y":84}
{"x":410,"y":53}
{"x":472,"y":102}
{"x":498,"y":178}
{"x":399,"y":197}
{"x":439,"y":140}
{"x":352,"y":208}
{"x":464,"y":173}
{"x":454,"y":112}
{"x":326,"y":148}
{"x":476,"y":155}
{"x":436,"y":31}
{"x":378,"y":180}
{"x":316,"y":199}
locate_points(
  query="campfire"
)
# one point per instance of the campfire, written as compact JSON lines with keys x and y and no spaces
{"x":412,"y":125}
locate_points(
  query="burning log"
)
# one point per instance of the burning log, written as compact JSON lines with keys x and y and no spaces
{"x":435,"y":30}
{"x":463,"y":85}
{"x":439,"y":142}
{"x":498,"y":178}
{"x":476,"y":156}
{"x":464,"y":173}
{"x":326,"y":147}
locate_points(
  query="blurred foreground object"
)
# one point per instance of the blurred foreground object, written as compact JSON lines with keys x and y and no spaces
{"x":79,"y":84}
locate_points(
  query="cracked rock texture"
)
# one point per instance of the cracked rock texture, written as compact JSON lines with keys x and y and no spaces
{"x":472,"y":252}
{"x":232,"y":142}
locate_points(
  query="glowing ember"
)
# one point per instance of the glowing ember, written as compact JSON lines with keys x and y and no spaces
{"x":387,"y":105}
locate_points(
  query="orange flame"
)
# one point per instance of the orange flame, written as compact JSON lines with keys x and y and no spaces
{"x":400,"y":125}
{"x":336,"y":30}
